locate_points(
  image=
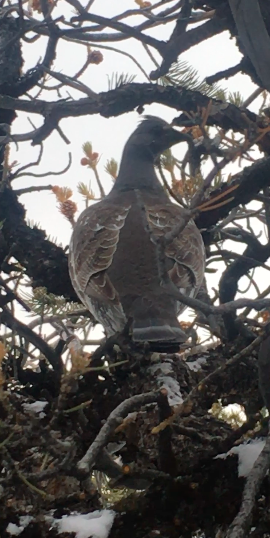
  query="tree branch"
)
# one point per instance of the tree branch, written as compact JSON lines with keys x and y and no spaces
{"x":241,"y":524}
{"x":7,"y":319}
{"x":181,"y":41}
{"x":130,"y":96}
{"x":115,"y":418}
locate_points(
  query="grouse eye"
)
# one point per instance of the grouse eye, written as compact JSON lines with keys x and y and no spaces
{"x":158,"y":131}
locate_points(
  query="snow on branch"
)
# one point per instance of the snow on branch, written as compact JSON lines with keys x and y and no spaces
{"x":241,"y":523}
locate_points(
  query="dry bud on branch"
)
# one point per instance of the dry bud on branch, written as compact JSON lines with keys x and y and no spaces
{"x":143,"y":4}
{"x":66,"y":206}
{"x":92,"y":157}
{"x":95,"y":57}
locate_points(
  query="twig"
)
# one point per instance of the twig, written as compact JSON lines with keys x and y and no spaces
{"x":176,"y":197}
{"x":7,"y":319}
{"x":178,"y":44}
{"x":78,"y":407}
{"x":45,"y":174}
{"x":14,"y":175}
{"x":6,"y":440}
{"x":103,"y":368}
{"x":15,"y":468}
{"x":227,"y":73}
{"x":190,"y":432}
{"x":115,"y":418}
{"x":252,"y":97}
{"x":28,"y":190}
{"x":13,"y":296}
{"x":167,"y":461}
{"x":231,"y":306}
{"x":100,"y":186}
{"x":50,"y":319}
{"x":198,"y":198}
{"x":31,"y":486}
{"x":124,"y":53}
{"x":123,"y":28}
{"x":76,"y":84}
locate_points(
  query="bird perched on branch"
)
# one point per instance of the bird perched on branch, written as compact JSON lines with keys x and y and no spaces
{"x":114,"y":262}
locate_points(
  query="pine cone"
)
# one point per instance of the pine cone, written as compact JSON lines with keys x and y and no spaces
{"x":68,"y":209}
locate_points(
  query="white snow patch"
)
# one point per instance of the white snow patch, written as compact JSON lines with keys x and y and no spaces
{"x":94,"y":524}
{"x":197,"y":365}
{"x":173,"y":389}
{"x":113,"y":448}
{"x":35,"y":408}
{"x":14,"y":529}
{"x":196,"y":350}
{"x":132,"y":416}
{"x":165,"y":367}
{"x":165,"y":380}
{"x":247,"y":455}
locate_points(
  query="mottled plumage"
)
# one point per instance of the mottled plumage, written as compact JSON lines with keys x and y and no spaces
{"x":112,"y":260}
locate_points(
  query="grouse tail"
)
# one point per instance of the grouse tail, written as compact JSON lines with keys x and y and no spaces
{"x":162,"y":336}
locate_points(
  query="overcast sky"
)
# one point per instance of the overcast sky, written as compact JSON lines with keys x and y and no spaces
{"x":108,"y":136}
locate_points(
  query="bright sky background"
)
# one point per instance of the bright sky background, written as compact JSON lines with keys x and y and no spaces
{"x":108,"y":136}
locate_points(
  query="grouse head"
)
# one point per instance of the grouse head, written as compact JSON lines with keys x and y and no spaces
{"x":153,"y":136}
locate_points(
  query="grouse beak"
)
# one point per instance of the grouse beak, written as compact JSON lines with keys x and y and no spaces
{"x":172,"y":136}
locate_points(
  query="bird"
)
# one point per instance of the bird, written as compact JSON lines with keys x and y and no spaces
{"x":113,"y":260}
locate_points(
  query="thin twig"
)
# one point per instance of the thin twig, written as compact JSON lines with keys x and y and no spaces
{"x":20,"y":328}
{"x":78,"y":407}
{"x":13,"y":296}
{"x":100,"y":186}
{"x":28,"y":190}
{"x":69,"y":81}
{"x":252,"y":97}
{"x":45,"y":174}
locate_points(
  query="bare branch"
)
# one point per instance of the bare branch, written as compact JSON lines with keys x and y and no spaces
{"x":115,"y":418}
{"x":7,"y":319}
{"x":27,"y":190}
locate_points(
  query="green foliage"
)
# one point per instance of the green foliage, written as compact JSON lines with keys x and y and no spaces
{"x":167,"y":160}
{"x":44,"y":303}
{"x":182,"y":74}
{"x":119,"y":79}
{"x":85,"y":191}
{"x":32,"y":224}
{"x":218,"y":180}
{"x":111,"y":167}
{"x":235,"y":98}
